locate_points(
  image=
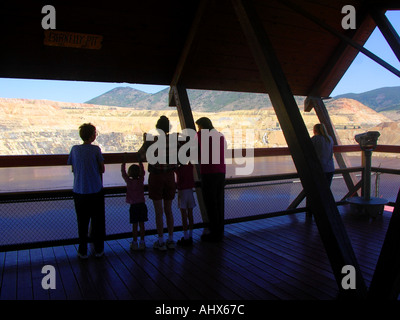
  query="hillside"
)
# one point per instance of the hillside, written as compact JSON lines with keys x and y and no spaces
{"x":351,"y":112}
{"x":120,"y":96}
{"x":48,"y":127}
{"x":383,"y":100}
{"x":200,"y":100}
{"x":380,"y":100}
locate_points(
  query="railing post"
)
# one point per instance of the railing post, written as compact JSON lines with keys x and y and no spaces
{"x":331,"y":228}
{"x":181,"y":99}
{"x":385,"y":283}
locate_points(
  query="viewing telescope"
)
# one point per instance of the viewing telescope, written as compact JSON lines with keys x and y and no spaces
{"x":374,"y":206}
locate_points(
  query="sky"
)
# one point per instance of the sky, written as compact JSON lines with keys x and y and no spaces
{"x":363,"y":75}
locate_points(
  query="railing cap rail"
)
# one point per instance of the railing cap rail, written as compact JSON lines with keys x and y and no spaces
{"x":12,"y":161}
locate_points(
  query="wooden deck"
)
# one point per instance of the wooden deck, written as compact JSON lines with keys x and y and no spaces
{"x":279,"y":258}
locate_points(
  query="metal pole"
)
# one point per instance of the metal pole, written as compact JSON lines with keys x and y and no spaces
{"x":367,"y":175}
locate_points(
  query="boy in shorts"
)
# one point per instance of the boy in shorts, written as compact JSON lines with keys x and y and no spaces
{"x":135,"y":197}
{"x":185,"y":184}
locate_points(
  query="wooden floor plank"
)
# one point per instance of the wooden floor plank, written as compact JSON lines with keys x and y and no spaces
{"x":24,"y":284}
{"x":210,"y":261}
{"x":236,"y":274}
{"x":96,"y":268}
{"x":158,"y":273}
{"x":113,"y":276}
{"x":50,"y":259}
{"x":68,"y":281}
{"x":293,"y":250}
{"x":178,"y":273}
{"x":119,"y":262}
{"x":267,"y":259}
{"x":9,"y":282}
{"x":192,"y":269}
{"x":82,"y":274}
{"x":264,"y":268}
{"x":292,"y":271}
{"x":135,"y":276}
{"x":161,"y":263}
{"x":2,"y":258}
{"x":37,"y":276}
{"x":2,"y":271}
{"x":190,"y":273}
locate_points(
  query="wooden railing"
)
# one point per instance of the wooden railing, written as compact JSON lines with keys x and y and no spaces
{"x":110,"y":158}
{"x":61,"y":160}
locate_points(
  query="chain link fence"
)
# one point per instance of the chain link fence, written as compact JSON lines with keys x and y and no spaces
{"x":38,"y":219}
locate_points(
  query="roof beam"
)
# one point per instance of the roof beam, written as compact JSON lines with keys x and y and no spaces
{"x":344,"y":38}
{"x":387,"y":30}
{"x":189,"y":42}
{"x":186,"y":51}
{"x":186,"y":120}
{"x":327,"y":217}
{"x":339,"y":57}
{"x":387,"y":4}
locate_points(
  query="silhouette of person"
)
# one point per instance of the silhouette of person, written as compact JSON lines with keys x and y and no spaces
{"x":212,"y":173}
{"x":134,"y":179}
{"x":185,"y":184}
{"x":323,"y":145}
{"x":88,"y":166}
{"x":161,"y":184}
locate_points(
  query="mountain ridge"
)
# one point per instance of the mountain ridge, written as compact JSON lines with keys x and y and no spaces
{"x":381,"y":100}
{"x":200,"y":100}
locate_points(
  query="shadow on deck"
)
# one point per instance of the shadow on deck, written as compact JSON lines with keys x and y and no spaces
{"x":280,"y":258}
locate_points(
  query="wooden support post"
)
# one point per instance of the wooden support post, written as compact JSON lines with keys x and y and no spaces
{"x":181,"y":98}
{"x":385,"y":284}
{"x":323,"y":116}
{"x":387,"y":30}
{"x":341,"y":36}
{"x":295,"y":203}
{"x":178,"y":96}
{"x":323,"y":85}
{"x":189,"y":43}
{"x":329,"y":223}
{"x":353,"y":192}
{"x":186,"y":120}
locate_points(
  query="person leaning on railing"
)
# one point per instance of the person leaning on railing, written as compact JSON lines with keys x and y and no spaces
{"x":88,"y":166}
{"x":212,"y":175}
{"x":161,"y":185}
{"x":323,"y":145}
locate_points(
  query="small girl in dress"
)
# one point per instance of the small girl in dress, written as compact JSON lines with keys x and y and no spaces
{"x":185,"y":184}
{"x":135,"y":197}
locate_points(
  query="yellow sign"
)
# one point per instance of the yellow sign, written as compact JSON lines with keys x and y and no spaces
{"x":72,"y":40}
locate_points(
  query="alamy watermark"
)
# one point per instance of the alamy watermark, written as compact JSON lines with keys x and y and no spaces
{"x":49,"y":280}
{"x":183,"y":148}
{"x":349,"y":20}
{"x":49,"y":20}
{"x":349,"y":280}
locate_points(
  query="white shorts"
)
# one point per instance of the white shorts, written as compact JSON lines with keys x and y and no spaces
{"x":186,"y":199}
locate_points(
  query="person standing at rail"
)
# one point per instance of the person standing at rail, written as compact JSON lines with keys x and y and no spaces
{"x":161,"y":181}
{"x":323,"y":145}
{"x":134,"y":179}
{"x":88,"y":167}
{"x":212,"y":146}
{"x":186,"y":202}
